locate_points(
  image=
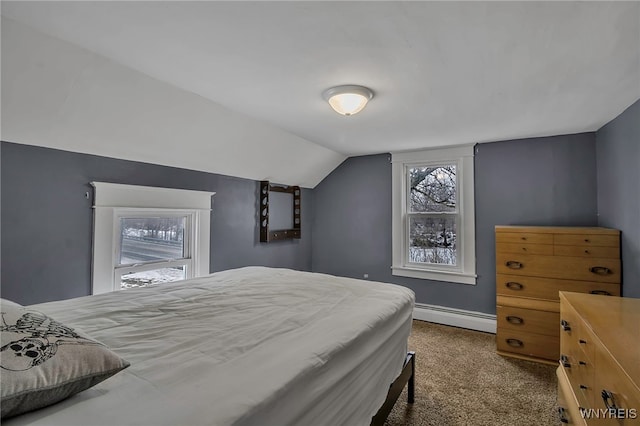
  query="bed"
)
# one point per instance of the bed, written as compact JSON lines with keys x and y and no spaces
{"x":249,"y":346}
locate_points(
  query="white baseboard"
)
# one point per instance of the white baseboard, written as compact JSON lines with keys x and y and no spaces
{"x":455,"y":317}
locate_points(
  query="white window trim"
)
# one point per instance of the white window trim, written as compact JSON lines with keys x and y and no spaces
{"x":112,"y":200}
{"x":462,"y":156}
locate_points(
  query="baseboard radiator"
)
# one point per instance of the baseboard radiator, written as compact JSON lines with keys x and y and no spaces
{"x":455,"y":317}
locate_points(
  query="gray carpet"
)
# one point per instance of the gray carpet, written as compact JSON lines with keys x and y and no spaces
{"x":460,"y":380}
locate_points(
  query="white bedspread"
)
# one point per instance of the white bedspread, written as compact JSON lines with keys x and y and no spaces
{"x":251,"y":346}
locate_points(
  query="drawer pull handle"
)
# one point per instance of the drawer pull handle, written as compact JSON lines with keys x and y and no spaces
{"x":586,"y":252}
{"x":582,"y":363}
{"x":586,"y":240}
{"x":562,"y":413}
{"x":515,"y":343}
{"x":565,"y":325}
{"x":514,"y":286}
{"x":512,"y":264}
{"x":583,"y":387}
{"x":602,"y":292}
{"x":607,"y":397}
{"x":524,"y":238}
{"x":600,"y":270}
{"x":582,"y":342}
{"x":515,"y":320}
{"x":564,"y":361}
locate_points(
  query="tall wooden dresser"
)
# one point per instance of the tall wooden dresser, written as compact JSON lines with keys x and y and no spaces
{"x":599,"y":372}
{"x":532,"y":265}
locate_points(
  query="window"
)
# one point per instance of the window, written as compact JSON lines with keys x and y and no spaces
{"x":153,"y":248}
{"x":433,"y":215}
{"x":145,"y":235}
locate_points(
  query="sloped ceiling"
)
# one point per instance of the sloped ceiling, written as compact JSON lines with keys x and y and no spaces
{"x":443,"y":73}
{"x":57,"y":95}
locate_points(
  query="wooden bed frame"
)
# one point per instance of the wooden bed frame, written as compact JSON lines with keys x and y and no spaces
{"x":407,"y":376}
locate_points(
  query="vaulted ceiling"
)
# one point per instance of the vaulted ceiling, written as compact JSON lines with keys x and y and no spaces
{"x":443,"y":73}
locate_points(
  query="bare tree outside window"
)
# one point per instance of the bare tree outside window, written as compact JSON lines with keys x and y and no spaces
{"x":432,"y":214}
{"x":151,"y":238}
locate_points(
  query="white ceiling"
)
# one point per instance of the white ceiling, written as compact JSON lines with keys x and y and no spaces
{"x":443,"y":73}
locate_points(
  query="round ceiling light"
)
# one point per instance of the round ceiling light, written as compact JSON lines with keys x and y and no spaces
{"x":349,"y":99}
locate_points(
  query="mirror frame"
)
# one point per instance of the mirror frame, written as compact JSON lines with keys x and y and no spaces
{"x":267,"y":235}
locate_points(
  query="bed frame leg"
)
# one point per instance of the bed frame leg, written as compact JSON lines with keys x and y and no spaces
{"x":406,"y":377}
{"x":411,"y":386}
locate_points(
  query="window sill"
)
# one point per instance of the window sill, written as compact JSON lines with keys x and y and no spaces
{"x":454,"y":277}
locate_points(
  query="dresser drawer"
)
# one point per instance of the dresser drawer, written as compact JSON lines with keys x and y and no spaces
{"x":528,"y":344}
{"x":577,"y":364}
{"x":525,"y":248}
{"x":581,"y":374}
{"x":523,"y":237}
{"x":587,"y":240}
{"x":575,"y":337}
{"x":528,"y":320}
{"x":610,"y":378}
{"x":566,"y":400}
{"x":577,"y":251}
{"x":548,"y":288}
{"x":563,"y":267}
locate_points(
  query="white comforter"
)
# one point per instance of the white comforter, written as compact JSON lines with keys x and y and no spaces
{"x":252,"y":346}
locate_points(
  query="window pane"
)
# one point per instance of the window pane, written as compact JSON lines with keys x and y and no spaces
{"x":156,"y":276}
{"x":151,"y":239}
{"x":432,"y":240}
{"x":432,"y":189}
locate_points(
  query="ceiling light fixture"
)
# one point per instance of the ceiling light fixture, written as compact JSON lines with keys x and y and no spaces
{"x":348,"y":99}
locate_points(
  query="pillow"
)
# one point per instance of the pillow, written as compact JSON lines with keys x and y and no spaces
{"x":44,"y":361}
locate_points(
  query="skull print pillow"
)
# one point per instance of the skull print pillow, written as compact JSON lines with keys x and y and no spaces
{"x":43,"y":361}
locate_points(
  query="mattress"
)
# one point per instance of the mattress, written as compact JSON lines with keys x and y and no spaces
{"x":250,"y":346}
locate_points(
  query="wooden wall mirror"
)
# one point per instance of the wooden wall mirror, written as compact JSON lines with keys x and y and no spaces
{"x":279,"y":212}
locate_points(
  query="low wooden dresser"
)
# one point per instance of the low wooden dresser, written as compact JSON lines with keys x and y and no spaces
{"x":533,"y":264}
{"x":599,"y":372}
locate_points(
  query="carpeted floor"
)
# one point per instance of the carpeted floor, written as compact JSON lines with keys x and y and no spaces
{"x":460,"y":381}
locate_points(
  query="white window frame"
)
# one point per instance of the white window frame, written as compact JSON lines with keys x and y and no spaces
{"x":464,"y":271}
{"x":114,"y":201}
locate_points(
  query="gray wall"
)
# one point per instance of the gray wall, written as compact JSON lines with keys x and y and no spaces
{"x":541,"y":181}
{"x":618,"y":159}
{"x":47,"y":221}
